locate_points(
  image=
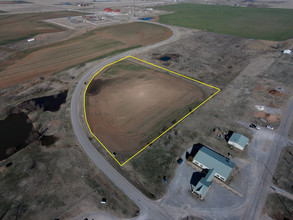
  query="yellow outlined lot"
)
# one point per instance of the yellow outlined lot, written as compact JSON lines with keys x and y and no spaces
{"x":121,"y":164}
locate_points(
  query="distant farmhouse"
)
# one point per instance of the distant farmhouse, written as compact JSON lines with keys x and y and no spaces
{"x":218,"y":165}
{"x":238,"y":140}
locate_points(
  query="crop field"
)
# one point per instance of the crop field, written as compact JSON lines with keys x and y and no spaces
{"x":257,"y":23}
{"x":89,"y":46}
{"x":129,"y":104}
{"x":21,"y":26}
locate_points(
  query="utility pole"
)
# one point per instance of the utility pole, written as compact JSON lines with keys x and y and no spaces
{"x":271,"y":173}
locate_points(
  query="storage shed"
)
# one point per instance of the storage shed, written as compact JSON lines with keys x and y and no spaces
{"x":238,"y":140}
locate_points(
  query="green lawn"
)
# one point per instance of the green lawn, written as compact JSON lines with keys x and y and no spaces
{"x":258,"y":23}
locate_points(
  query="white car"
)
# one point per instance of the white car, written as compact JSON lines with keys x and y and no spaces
{"x":269,"y":127}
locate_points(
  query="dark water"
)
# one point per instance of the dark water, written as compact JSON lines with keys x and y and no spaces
{"x":145,"y":19}
{"x":165,"y":58}
{"x":51,"y":103}
{"x":14,"y":131}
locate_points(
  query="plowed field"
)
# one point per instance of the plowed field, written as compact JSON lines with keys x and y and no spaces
{"x":92,"y":45}
{"x":130,"y":104}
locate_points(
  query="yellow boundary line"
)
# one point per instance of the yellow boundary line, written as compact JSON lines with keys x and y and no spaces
{"x":218,"y":90}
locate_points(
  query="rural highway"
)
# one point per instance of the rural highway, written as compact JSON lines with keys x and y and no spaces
{"x":148,"y":208}
{"x":262,"y":187}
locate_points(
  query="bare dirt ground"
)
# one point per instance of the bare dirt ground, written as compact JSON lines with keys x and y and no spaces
{"x":128,"y":105}
{"x":53,"y":58}
{"x":59,"y":180}
{"x":235,"y":65}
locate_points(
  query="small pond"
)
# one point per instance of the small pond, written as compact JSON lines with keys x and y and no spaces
{"x":146,"y":19}
{"x":14,"y":131}
{"x":165,"y":58}
{"x":51,"y":103}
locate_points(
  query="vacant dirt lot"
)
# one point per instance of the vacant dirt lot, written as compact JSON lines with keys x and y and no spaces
{"x":96,"y":44}
{"x":128,"y":105}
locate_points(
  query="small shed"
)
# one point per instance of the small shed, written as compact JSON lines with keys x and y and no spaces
{"x":238,"y":140}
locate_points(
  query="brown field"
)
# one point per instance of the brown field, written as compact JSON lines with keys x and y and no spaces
{"x":92,"y":45}
{"x":130,"y":104}
{"x":22,"y":26}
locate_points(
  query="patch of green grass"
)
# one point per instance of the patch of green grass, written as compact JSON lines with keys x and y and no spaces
{"x":258,"y":23}
{"x":2,"y":11}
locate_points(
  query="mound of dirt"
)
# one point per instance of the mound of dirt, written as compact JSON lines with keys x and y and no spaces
{"x":268,"y":117}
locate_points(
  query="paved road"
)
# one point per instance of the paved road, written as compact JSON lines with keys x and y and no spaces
{"x":250,"y":209}
{"x":148,"y":208}
{"x":257,"y":200}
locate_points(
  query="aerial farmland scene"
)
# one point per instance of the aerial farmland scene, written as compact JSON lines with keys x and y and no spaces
{"x":146,"y":110}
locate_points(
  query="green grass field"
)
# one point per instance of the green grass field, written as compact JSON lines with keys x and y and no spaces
{"x":258,"y":23}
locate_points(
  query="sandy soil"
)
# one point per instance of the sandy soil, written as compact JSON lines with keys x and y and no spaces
{"x":127,"y":108}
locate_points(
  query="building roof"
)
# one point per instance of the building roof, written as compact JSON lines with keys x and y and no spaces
{"x":210,"y":175}
{"x":204,"y":184}
{"x":239,"y":139}
{"x":213,"y":160}
{"x":202,"y":187}
{"x":108,"y":9}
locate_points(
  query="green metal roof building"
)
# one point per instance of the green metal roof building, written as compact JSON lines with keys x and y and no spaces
{"x":204,"y":184}
{"x":209,"y":159}
{"x":238,"y":140}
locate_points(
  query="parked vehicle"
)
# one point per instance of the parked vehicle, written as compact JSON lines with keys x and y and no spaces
{"x":269,"y":127}
{"x":254,"y":126}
